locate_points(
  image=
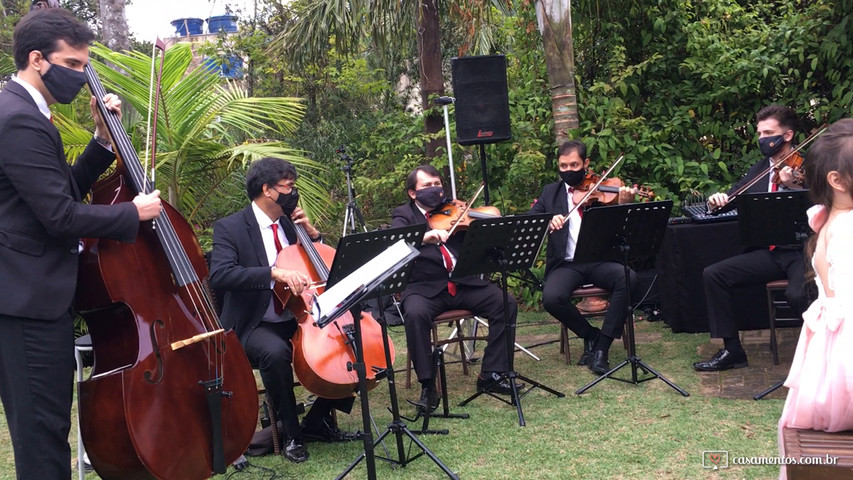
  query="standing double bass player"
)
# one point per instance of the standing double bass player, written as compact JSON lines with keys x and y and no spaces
{"x":42,"y":218}
{"x":245,"y":247}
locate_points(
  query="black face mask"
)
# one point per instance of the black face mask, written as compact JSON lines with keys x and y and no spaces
{"x":288,"y":201}
{"x":430,"y":197}
{"x":573,"y":178}
{"x":771,"y":145}
{"x":62,"y":82}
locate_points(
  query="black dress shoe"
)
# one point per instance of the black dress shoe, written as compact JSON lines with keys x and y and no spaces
{"x":492,"y":382}
{"x":295,"y":450}
{"x":326,"y":431}
{"x":588,"y":344}
{"x":599,"y":364}
{"x":429,"y":398}
{"x":722,"y":360}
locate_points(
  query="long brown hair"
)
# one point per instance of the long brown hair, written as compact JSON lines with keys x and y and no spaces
{"x":832,"y":151}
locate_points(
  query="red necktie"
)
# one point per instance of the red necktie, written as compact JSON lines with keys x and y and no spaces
{"x":448,"y":264}
{"x":279,"y":308}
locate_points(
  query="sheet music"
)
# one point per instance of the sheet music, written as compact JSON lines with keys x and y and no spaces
{"x":344,"y":294}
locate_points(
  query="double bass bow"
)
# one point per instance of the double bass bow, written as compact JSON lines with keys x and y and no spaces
{"x":171,"y":394}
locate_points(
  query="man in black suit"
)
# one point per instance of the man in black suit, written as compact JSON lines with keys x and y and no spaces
{"x":42,"y":218}
{"x":430,"y":292}
{"x":776,"y":125}
{"x":242,"y":265}
{"x":563,"y":276}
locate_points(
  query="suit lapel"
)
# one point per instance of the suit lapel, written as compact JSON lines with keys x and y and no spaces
{"x":253,"y":231}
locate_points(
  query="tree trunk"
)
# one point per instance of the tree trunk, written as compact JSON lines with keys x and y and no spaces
{"x":431,"y":79}
{"x":555,"y":25}
{"x":114,"y":25}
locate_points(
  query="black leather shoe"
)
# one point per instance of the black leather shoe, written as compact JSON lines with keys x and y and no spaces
{"x":722,"y":360}
{"x":492,"y":382}
{"x":588,"y":344}
{"x":429,"y":397}
{"x":599,"y":364}
{"x":326,"y":431}
{"x":295,"y":450}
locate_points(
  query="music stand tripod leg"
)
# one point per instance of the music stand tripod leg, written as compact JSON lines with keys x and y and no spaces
{"x":773,"y":388}
{"x":397,"y":426}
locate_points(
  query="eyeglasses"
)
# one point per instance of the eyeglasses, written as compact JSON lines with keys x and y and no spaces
{"x":285,"y":189}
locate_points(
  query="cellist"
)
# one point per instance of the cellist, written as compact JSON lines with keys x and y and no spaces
{"x":242,"y":267}
{"x":42,"y":218}
{"x":563,"y":275}
{"x":776,"y":126}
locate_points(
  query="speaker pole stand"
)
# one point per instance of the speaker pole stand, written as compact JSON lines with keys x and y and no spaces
{"x":485,"y":174}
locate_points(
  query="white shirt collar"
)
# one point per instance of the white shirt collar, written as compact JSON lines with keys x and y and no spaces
{"x":262,"y":218}
{"x":41,"y":103}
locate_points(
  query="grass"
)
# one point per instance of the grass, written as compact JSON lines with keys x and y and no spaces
{"x":614,"y":431}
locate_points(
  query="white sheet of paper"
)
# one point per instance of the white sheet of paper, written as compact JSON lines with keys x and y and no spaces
{"x":353,"y":285}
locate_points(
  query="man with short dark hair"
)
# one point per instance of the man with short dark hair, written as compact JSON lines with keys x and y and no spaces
{"x":430,"y":291}
{"x":242,"y":265}
{"x":42,"y":218}
{"x":563,"y":275}
{"x":776,"y":126}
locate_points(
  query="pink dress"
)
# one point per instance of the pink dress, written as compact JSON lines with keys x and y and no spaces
{"x":820,"y":382}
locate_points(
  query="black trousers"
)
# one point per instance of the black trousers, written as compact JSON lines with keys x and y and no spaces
{"x":36,"y":387}
{"x":568,"y":276}
{"x":755,"y":267}
{"x":269,"y":349}
{"x":485,"y":301}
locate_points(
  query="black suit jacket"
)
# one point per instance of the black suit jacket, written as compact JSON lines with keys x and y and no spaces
{"x":42,"y":217}
{"x":553,"y":200}
{"x":239,"y":268}
{"x":429,"y":275}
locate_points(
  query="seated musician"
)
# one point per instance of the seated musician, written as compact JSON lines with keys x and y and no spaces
{"x":776,"y":126}
{"x":430,"y":293}
{"x":245,"y":246}
{"x":563,"y":275}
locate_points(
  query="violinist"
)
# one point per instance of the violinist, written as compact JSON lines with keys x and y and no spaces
{"x":776,"y":125}
{"x":42,"y":218}
{"x":430,"y":291}
{"x":563,"y":275}
{"x":242,"y":265}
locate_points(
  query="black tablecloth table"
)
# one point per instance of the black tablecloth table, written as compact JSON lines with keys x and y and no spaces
{"x":687,"y":249}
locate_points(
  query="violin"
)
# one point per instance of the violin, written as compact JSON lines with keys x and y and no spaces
{"x":458,"y":215}
{"x":795,"y":161}
{"x":322,"y":357}
{"x":607,"y":191}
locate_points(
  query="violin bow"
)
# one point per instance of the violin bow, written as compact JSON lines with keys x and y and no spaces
{"x":594,"y":187}
{"x":775,"y":165}
{"x":465,"y":210}
{"x":151,"y":139}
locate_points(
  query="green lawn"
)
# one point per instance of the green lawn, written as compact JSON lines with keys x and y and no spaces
{"x":614,"y":431}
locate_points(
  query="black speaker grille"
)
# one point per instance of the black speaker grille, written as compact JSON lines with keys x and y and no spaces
{"x":482,"y":101}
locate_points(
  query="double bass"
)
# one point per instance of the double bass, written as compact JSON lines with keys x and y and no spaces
{"x":323,"y":357}
{"x":171,"y":395}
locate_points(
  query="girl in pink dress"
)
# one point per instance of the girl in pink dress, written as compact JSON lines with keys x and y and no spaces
{"x":820,"y":382}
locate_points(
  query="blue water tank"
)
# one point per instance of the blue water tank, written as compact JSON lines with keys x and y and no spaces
{"x":222,"y":23}
{"x":229,"y":67}
{"x":185,"y":26}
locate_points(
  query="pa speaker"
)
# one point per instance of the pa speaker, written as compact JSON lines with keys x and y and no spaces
{"x":482,"y":101}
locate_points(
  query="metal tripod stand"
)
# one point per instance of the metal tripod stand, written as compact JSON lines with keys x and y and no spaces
{"x":353,"y":214}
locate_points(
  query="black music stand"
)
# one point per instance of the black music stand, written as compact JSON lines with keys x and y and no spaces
{"x":353,"y":250}
{"x":503,"y":245}
{"x":773,"y":218}
{"x":618,"y":233}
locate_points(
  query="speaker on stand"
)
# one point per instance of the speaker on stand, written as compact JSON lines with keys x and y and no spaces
{"x":482,"y":104}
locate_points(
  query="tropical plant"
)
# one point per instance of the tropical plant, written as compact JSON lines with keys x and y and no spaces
{"x":7,"y":64}
{"x":205,"y":129}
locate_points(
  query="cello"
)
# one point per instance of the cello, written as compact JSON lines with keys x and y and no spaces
{"x":323,"y":357}
{"x":171,"y":395}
